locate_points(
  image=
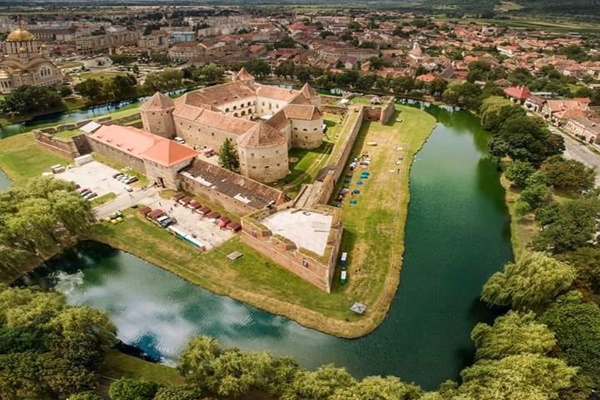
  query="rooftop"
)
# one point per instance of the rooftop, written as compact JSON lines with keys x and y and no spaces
{"x":308,"y":229}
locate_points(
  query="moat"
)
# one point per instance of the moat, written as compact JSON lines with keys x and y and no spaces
{"x":457,"y":236}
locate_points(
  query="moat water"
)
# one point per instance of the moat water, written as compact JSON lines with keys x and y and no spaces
{"x":5,"y":183}
{"x":457,"y":236}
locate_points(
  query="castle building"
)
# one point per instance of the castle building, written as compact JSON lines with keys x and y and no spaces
{"x":25,"y":62}
{"x":264,"y":122}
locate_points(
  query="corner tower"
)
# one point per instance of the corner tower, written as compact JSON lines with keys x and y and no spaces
{"x":157,"y":115}
{"x":263,"y":153}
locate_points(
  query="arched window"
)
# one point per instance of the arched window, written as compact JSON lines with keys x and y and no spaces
{"x":235,"y":114}
{"x":243,"y":113}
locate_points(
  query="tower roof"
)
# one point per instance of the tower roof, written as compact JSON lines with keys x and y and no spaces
{"x":308,"y":91}
{"x":157,"y":102}
{"x":244,"y":75}
{"x":168,"y":153}
{"x":261,"y":135}
{"x":20,"y":35}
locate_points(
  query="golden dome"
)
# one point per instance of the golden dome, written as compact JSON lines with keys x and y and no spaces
{"x":20,"y":35}
{"x":4,"y":74}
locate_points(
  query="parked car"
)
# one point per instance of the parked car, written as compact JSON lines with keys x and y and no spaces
{"x":131,"y":180}
{"x":128,"y":188}
{"x":165,"y":221}
{"x":90,"y":195}
{"x":123,"y":178}
{"x":117,"y":175}
{"x":85,"y":192}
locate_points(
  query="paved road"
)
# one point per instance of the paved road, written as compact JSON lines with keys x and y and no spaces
{"x":580,"y":152}
{"x":124,"y":201}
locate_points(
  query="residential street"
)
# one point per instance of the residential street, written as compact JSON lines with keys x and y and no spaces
{"x":580,"y":152}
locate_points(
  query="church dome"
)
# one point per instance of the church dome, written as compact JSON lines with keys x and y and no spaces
{"x":20,"y":35}
{"x":4,"y":74}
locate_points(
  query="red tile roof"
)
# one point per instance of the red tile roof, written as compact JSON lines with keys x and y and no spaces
{"x":168,"y":153}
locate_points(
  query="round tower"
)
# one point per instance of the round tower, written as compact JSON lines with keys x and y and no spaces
{"x":263,"y":153}
{"x":157,"y":115}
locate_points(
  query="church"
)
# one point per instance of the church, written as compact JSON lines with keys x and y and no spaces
{"x":262,"y":121}
{"x":25,"y":62}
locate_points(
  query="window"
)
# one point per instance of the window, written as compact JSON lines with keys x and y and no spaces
{"x":304,"y":129}
{"x":266,"y":167}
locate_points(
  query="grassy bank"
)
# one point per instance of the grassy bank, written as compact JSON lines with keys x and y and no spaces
{"x":22,"y":159}
{"x":522,"y":228}
{"x":374,"y":236}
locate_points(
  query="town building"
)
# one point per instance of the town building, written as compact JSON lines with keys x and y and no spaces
{"x":25,"y":62}
{"x":264,"y":122}
{"x":585,"y":128}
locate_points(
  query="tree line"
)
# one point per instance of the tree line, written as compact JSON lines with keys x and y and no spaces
{"x":37,"y":219}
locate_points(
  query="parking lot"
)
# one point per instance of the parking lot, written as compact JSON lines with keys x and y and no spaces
{"x":94,"y":176}
{"x":204,"y":229}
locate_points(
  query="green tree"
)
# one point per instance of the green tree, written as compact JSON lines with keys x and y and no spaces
{"x":568,"y":174}
{"x":319,"y":384}
{"x":574,"y":227}
{"x":512,"y":334}
{"x":523,"y":376}
{"x":32,"y":99}
{"x":195,"y":361}
{"x":518,"y":172}
{"x":378,"y":388}
{"x":548,"y":214}
{"x":91,"y":89}
{"x":521,"y":208}
{"x":534,"y":280}
{"x":577,"y":328}
{"x":179,"y":392}
{"x":87,"y":396}
{"x":228,"y":156}
{"x":586,"y":261}
{"x":132,"y":389}
{"x":525,"y":139}
{"x":438,"y":86}
{"x":212,"y":72}
{"x":536,"y":195}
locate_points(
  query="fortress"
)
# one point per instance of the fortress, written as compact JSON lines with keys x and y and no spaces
{"x":264,"y":122}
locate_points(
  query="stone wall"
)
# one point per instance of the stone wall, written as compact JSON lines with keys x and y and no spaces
{"x":372,"y":113}
{"x":315,"y":269}
{"x":46,"y":140}
{"x":336,"y":168}
{"x":387,"y":111}
{"x":337,"y":110}
{"x":231,"y":204}
{"x":121,"y":157}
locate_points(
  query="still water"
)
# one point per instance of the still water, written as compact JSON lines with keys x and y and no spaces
{"x":457,"y":236}
{"x":5,"y":183}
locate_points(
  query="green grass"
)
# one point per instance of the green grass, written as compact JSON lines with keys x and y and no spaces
{"x":118,"y":365}
{"x":374,"y":236}
{"x":22,"y":159}
{"x":98,"y":201}
{"x":67,"y":135}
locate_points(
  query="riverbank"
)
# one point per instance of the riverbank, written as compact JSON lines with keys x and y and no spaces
{"x":373,"y":235}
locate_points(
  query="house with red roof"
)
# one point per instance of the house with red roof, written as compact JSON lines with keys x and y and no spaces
{"x":517,"y":94}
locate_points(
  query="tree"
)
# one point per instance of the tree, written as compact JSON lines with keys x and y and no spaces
{"x":525,"y":139}
{"x":438,"y":86}
{"x":212,"y":72}
{"x":521,"y":208}
{"x":179,"y":392}
{"x":574,"y":227}
{"x":87,"y":396}
{"x":547,"y":214}
{"x":568,"y":174}
{"x":91,"y":89}
{"x":518,"y":172}
{"x":535,"y":279}
{"x":536,"y":195}
{"x":378,"y":388}
{"x":586,"y":261}
{"x":523,"y":376}
{"x":285,"y":43}
{"x":31,"y":98}
{"x":512,"y":334}
{"x":466,"y":95}
{"x":577,"y":328}
{"x":132,"y":389}
{"x":195,"y":361}
{"x":228,"y":156}
{"x":258,"y":68}
{"x":319,"y":384}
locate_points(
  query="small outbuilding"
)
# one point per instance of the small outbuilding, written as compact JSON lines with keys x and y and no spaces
{"x":358,"y":308}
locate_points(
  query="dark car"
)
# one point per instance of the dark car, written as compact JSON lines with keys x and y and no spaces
{"x":115,"y":176}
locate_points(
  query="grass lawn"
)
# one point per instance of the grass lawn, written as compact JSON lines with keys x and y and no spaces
{"x":118,"y":365}
{"x":310,"y":162}
{"x":522,"y":229}
{"x":98,"y":201}
{"x":67,"y":135}
{"x":374,"y":236}
{"x":22,"y":159}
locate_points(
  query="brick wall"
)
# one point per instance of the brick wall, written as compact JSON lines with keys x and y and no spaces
{"x":229,"y":203}
{"x":387,"y":111}
{"x":65,"y":149}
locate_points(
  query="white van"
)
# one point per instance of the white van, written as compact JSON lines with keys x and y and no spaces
{"x":179,"y":140}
